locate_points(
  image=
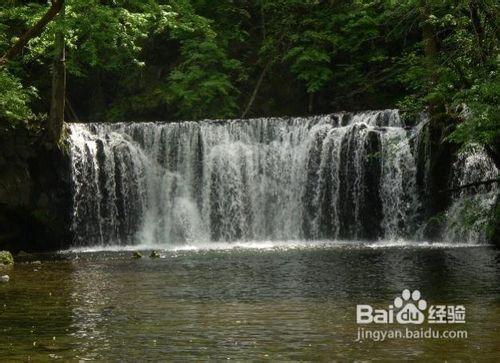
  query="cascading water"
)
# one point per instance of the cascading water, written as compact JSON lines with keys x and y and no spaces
{"x":338,"y":176}
{"x":468,"y":216}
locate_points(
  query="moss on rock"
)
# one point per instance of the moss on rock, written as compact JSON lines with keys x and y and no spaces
{"x":137,"y":254}
{"x":6,"y":258}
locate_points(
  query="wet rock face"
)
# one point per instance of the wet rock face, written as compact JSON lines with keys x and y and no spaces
{"x":35,"y":195}
{"x":371,"y":211}
{"x":15,"y":185}
{"x":51,"y":199}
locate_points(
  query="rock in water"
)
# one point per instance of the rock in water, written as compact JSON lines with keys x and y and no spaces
{"x":154,"y":254}
{"x":6,"y":258}
{"x":137,"y":255}
{"x":23,"y":254}
{"x":4,"y":278}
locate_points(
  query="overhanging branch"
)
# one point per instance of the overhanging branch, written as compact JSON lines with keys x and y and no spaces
{"x":32,"y":32}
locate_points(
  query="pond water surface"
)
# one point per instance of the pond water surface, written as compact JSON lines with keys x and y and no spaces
{"x":259,"y":301}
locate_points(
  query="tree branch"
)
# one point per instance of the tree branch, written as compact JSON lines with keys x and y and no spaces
{"x":367,"y":86}
{"x":32,"y":32}
{"x":256,"y":89}
{"x":475,"y":184}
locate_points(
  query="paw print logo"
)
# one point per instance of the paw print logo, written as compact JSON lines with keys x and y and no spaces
{"x":411,"y":306}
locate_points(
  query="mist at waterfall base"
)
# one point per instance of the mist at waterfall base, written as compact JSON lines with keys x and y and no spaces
{"x":272,"y":182}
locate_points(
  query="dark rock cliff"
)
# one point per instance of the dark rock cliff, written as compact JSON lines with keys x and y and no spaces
{"x":35,"y":192}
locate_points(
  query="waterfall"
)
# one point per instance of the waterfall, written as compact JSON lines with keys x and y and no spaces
{"x":468,"y":216}
{"x":336,"y":176}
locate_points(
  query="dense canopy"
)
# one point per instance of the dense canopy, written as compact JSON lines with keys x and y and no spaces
{"x":194,"y":59}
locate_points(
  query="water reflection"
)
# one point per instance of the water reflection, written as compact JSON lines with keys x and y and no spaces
{"x":35,"y":311}
{"x":246,"y":304}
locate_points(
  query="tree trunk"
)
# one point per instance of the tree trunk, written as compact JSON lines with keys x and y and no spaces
{"x":475,"y":18}
{"x":430,"y":48}
{"x":56,"y":117}
{"x":32,"y":32}
{"x":310,"y":105}
{"x":70,"y":111}
{"x":256,"y":89}
{"x":441,"y":151}
{"x":475,"y":184}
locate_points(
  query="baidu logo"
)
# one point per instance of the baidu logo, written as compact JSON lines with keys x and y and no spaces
{"x":406,"y":309}
{"x":410,"y":308}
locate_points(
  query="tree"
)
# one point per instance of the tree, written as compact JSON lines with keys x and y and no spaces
{"x":14,"y":99}
{"x":32,"y":32}
{"x":58,"y":98}
{"x":202,"y":84}
{"x":14,"y":102}
{"x":463,"y":76}
{"x":157,"y":59}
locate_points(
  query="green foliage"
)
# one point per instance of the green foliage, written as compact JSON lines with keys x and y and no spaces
{"x":14,"y":99}
{"x":191,"y":59}
{"x":201,"y":85}
{"x":471,"y":214}
{"x":311,"y":65}
{"x":481,"y":125}
{"x":464,"y":74}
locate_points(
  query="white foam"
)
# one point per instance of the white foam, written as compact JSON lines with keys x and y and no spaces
{"x":276,"y":245}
